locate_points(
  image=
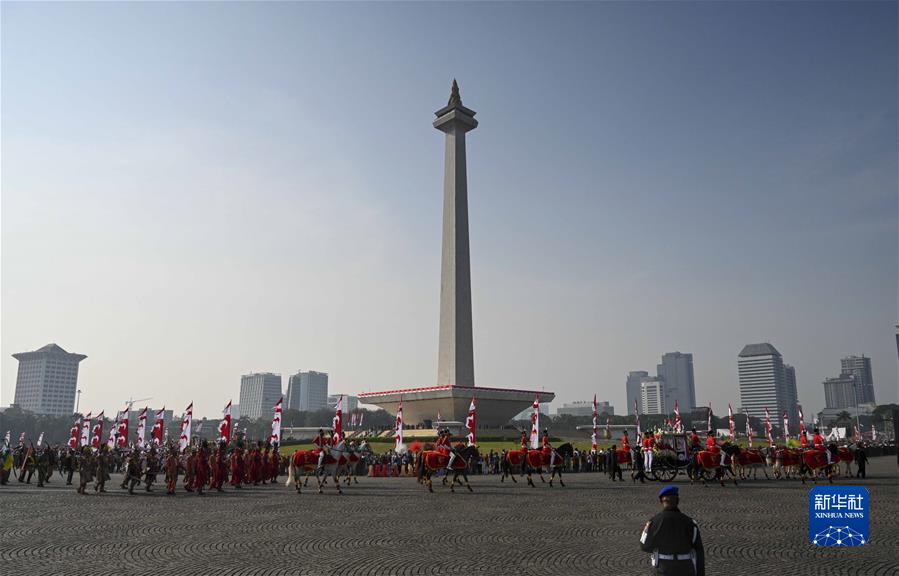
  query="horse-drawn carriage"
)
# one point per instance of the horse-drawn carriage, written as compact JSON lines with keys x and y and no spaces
{"x":670,"y":455}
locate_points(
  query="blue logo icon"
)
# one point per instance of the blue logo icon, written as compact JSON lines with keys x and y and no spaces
{"x":838,"y":515}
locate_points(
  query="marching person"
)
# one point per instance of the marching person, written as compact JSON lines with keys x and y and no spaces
{"x":152,"y":467}
{"x":695,"y":442}
{"x":320,"y":444}
{"x":132,"y":471}
{"x":861,"y":460}
{"x":85,"y":469}
{"x":171,"y":470}
{"x":104,"y":460}
{"x":673,"y":539}
{"x":612,"y":464}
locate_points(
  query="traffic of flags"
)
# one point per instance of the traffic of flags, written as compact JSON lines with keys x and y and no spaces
{"x":122,"y":434}
{"x":141,"y":427}
{"x":337,"y":422}
{"x":97,"y":431}
{"x":184,"y":438}
{"x":40,"y":440}
{"x":470,"y":422}
{"x":535,"y":424}
{"x":398,"y":436}
{"x":157,"y":426}
{"x":73,"y":434}
{"x":801,"y":424}
{"x":786,"y":426}
{"x":593,"y":435}
{"x":730,"y":420}
{"x":275,"y":437}
{"x":113,"y":431}
{"x":748,"y":431}
{"x":709,"y":424}
{"x":85,"y":439}
{"x":768,"y":427}
{"x":225,"y":425}
{"x":677,"y":423}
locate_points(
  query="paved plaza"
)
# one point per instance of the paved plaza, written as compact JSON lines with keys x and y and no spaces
{"x":394,"y":526}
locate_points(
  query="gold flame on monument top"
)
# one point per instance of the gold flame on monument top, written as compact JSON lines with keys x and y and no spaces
{"x":454,"y":98}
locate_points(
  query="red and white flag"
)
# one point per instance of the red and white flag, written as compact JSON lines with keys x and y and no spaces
{"x":709,"y":424}
{"x":184,"y":439}
{"x":97,"y":432}
{"x":768,"y":427}
{"x":801,"y":423}
{"x":275,"y":437}
{"x":730,"y":420}
{"x":593,"y":434}
{"x":786,"y":426}
{"x":122,"y":433}
{"x":353,"y":419}
{"x":439,"y":418}
{"x":398,"y":432}
{"x":677,"y":422}
{"x":225,"y":425}
{"x":157,"y":426}
{"x":535,"y":424}
{"x":748,"y":431}
{"x":361,"y":414}
{"x":470,"y":422}
{"x":73,"y":434}
{"x":141,"y":428}
{"x":85,"y":439}
{"x":114,"y":431}
{"x":637,"y":418}
{"x":337,"y":423}
{"x":40,"y":439}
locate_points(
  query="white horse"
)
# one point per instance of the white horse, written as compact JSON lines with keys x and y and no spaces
{"x":332,"y":465}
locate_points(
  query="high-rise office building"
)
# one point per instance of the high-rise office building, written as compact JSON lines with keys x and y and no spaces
{"x":840,"y":392}
{"x":860,"y":368}
{"x":307,"y":391}
{"x":676,"y":370}
{"x":47,"y":380}
{"x":652,"y":396}
{"x":766,"y":383}
{"x":633,"y":389}
{"x":259,"y":392}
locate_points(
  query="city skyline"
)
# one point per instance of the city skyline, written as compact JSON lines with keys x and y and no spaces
{"x":645,"y":179}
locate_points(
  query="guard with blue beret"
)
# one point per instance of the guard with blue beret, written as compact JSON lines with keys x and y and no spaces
{"x":673,"y":540}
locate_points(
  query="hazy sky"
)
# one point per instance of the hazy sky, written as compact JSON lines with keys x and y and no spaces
{"x":195,"y":191}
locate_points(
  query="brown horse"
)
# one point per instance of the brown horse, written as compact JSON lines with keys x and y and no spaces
{"x":432,"y":461}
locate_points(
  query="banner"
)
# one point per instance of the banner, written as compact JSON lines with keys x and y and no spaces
{"x":801,"y":424}
{"x":157,"y":426}
{"x":141,"y":428}
{"x":535,"y":424}
{"x":786,"y":426}
{"x":398,"y":432}
{"x":184,"y":439}
{"x":337,"y":422}
{"x":593,"y":435}
{"x":768,"y":427}
{"x":730,"y":420}
{"x":85,"y":439}
{"x":470,"y":422}
{"x":677,"y":422}
{"x":122,"y":432}
{"x":709,"y":424}
{"x":748,"y":431}
{"x":225,"y":425}
{"x":97,"y":432}
{"x":73,"y":434}
{"x":275,"y":437}
{"x":637,"y":416}
{"x":114,"y":431}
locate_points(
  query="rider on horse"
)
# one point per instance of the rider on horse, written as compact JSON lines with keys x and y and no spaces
{"x":712,"y":446}
{"x":445,"y":446}
{"x":548,"y":449}
{"x":322,"y":445}
{"x":695,"y":442}
{"x":818,"y":442}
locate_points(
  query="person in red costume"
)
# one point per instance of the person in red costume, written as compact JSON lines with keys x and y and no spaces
{"x":201,"y":468}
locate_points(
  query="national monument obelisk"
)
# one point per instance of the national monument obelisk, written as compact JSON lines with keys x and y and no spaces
{"x":455,"y":361}
{"x":455,"y":389}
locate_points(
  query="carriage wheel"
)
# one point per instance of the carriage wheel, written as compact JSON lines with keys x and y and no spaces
{"x":664,"y":474}
{"x":706,"y":474}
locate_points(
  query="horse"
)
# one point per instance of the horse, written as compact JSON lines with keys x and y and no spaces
{"x":814,"y":461}
{"x":431,"y":461}
{"x":749,"y":461}
{"x":785,"y":462}
{"x":843,"y":454}
{"x":539,"y":461}
{"x":354,"y":454}
{"x":515,"y":462}
{"x":305,"y":460}
{"x":708,"y":465}
{"x":336,"y":458}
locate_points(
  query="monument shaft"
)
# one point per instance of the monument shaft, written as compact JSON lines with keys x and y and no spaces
{"x":455,"y":363}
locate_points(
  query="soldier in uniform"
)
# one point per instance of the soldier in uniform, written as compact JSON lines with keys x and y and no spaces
{"x":69,"y":464}
{"x":104,"y":460}
{"x":85,"y":469}
{"x":612,"y":466}
{"x":43,"y":465}
{"x":133,"y":471}
{"x":152,"y":467}
{"x":673,"y":539}
{"x":29,"y":463}
{"x":171,"y":470}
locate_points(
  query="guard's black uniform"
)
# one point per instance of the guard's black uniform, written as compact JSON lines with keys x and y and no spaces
{"x":675,"y":543}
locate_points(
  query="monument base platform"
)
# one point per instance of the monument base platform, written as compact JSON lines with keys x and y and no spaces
{"x":495,"y":406}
